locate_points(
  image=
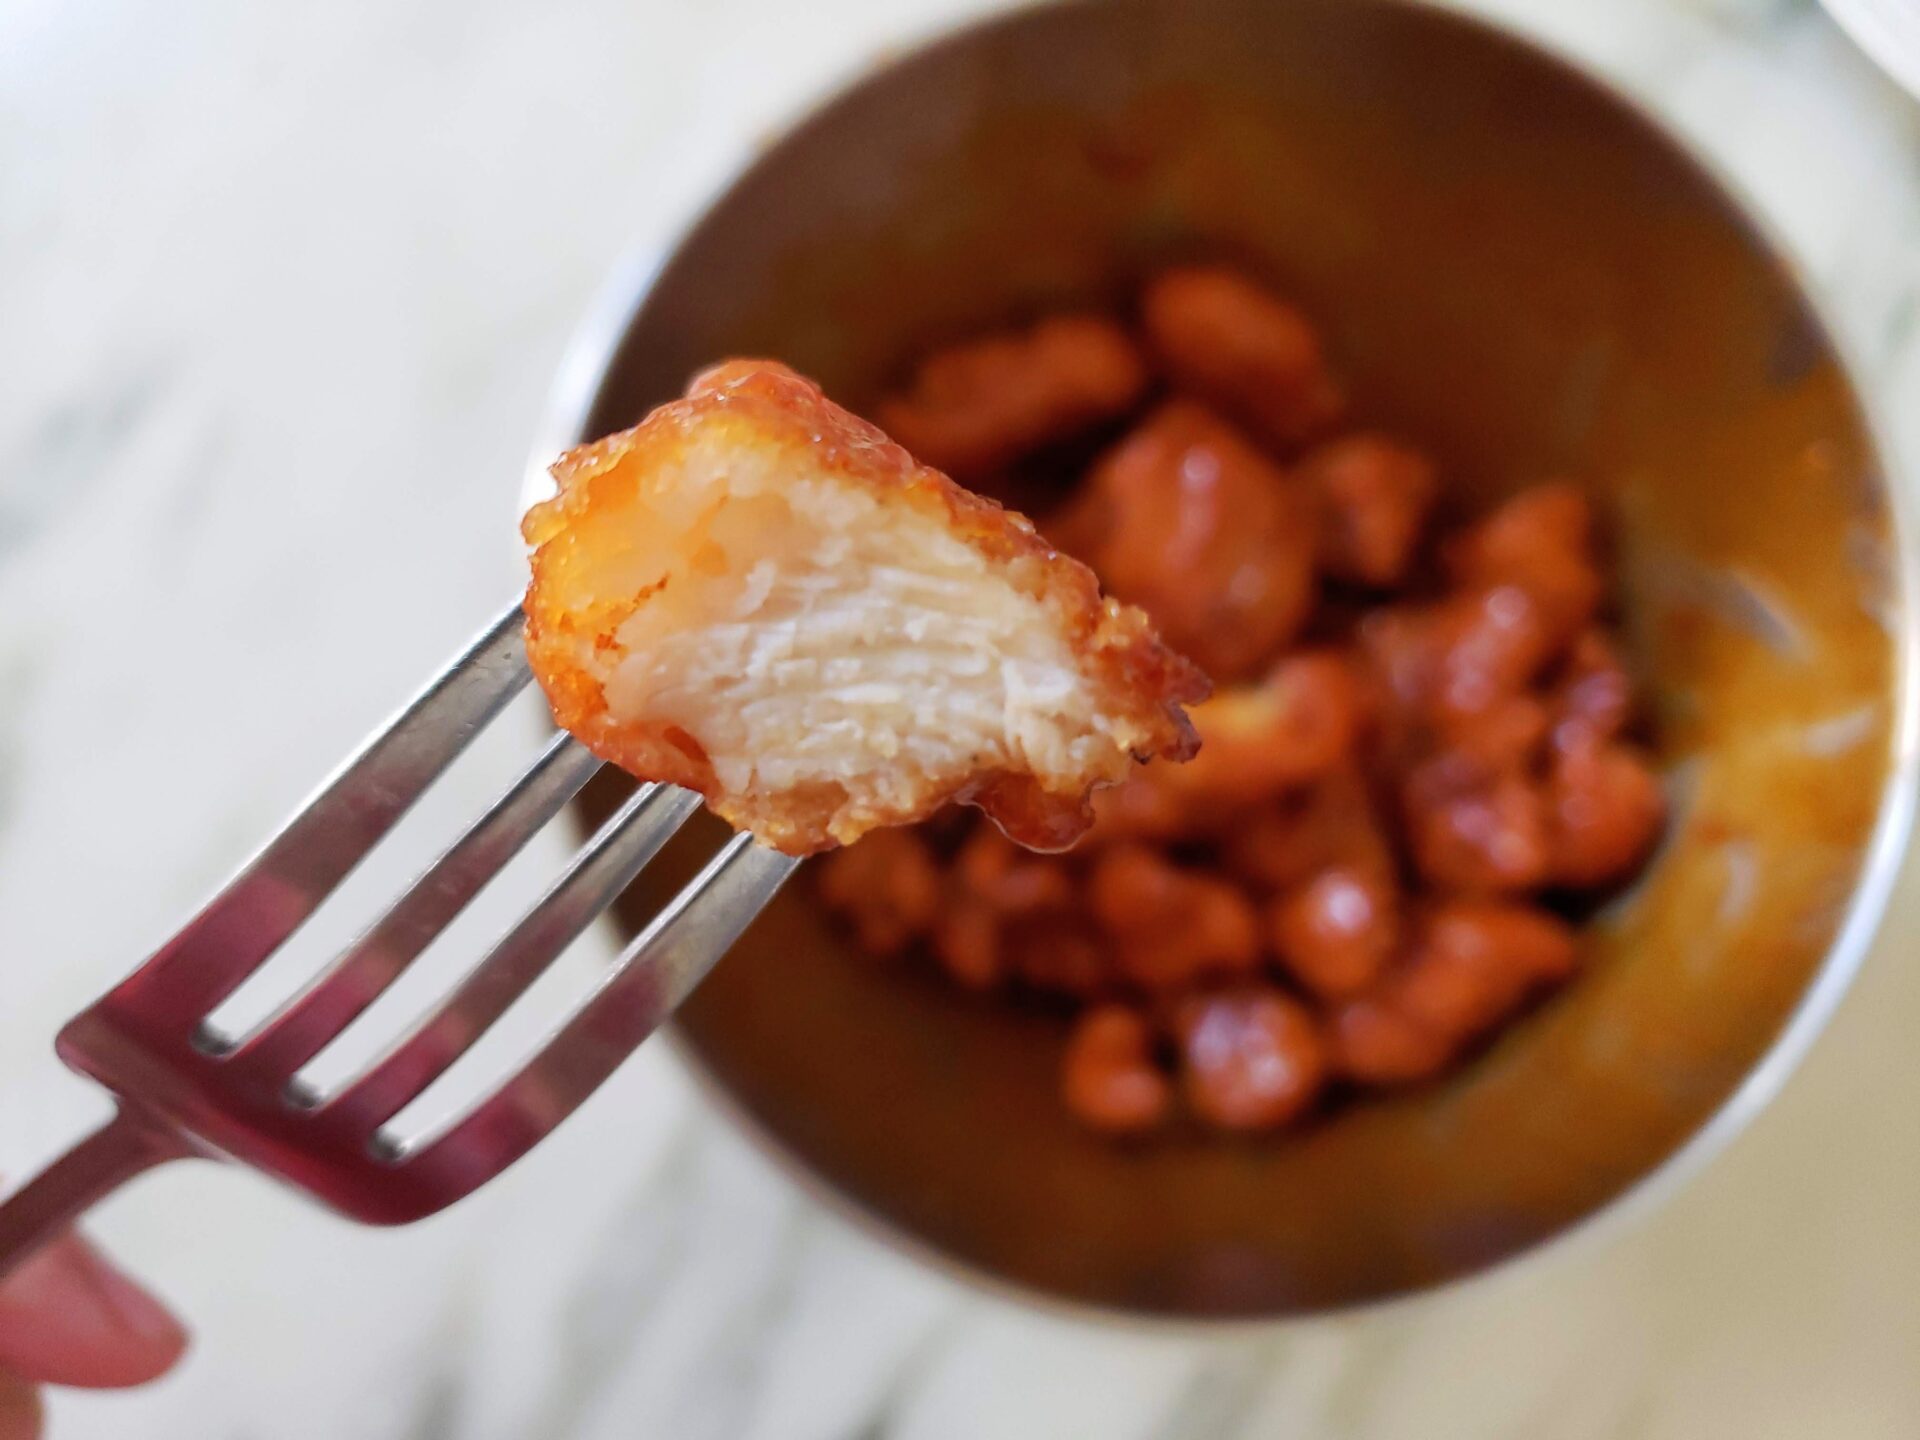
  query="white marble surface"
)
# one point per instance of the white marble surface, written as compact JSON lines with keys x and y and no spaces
{"x":281,"y":287}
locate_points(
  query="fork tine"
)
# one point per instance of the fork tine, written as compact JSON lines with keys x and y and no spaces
{"x":277,"y":890}
{"x":289,"y":1038}
{"x":602,"y":869}
{"x":657,"y":972}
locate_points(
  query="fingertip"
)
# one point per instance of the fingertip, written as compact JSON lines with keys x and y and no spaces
{"x":20,"y":1412}
{"x":70,"y":1317}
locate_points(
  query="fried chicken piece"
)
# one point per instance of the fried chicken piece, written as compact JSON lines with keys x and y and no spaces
{"x":758,"y":596}
{"x":991,"y":868}
{"x":1594,"y":698}
{"x":1458,"y":676}
{"x":1299,"y":723}
{"x":1475,"y":829}
{"x":1059,"y":954}
{"x":1108,"y":1075}
{"x":1012,"y":915}
{"x":887,"y":886}
{"x":1256,"y":742}
{"x":1186,"y":518}
{"x":1332,"y":822}
{"x":1251,"y":1058}
{"x":1508,"y":735}
{"x":966,"y":942}
{"x":1225,"y":339}
{"x":1375,"y":495}
{"x":1458,"y":658}
{"x":1475,"y":962}
{"x":1336,"y":933}
{"x":1542,"y":542}
{"x":976,"y":407}
{"x":1171,"y":926}
{"x":1606,"y":811}
{"x":1374,"y":1042}
{"x":1496,"y":642}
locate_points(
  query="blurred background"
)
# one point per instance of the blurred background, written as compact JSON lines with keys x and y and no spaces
{"x":282,"y":290}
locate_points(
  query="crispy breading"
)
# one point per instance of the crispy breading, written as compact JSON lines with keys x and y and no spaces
{"x":759,"y":596}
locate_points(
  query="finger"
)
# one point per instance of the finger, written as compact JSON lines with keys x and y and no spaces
{"x":68,"y":1317}
{"x":19,"y":1409}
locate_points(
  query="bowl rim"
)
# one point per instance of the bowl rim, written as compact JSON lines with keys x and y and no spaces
{"x":594,"y":345}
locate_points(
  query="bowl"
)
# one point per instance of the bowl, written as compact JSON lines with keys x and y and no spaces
{"x":1520,"y":272}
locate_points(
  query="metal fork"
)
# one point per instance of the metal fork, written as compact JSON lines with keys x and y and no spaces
{"x":183,"y":1091}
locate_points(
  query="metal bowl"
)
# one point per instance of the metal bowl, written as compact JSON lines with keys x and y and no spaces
{"x":1519,"y":271}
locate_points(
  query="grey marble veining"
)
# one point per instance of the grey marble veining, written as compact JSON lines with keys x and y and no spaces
{"x":281,"y":288}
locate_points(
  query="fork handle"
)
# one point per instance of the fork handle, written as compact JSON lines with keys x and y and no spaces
{"x":43,"y":1208}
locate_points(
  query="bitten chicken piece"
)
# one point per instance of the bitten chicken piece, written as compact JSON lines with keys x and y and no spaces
{"x":757,"y":595}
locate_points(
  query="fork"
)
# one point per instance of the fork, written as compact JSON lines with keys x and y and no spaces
{"x":184,"y":1090}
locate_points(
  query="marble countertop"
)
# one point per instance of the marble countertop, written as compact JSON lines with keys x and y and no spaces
{"x":281,"y":290}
